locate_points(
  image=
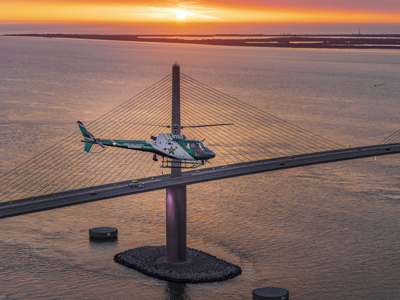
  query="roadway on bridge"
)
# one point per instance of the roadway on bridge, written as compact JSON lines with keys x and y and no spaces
{"x":95,"y":193}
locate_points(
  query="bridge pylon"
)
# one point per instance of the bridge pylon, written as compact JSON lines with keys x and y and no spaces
{"x":176,"y":196}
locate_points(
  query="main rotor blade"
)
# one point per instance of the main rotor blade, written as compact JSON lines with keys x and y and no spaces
{"x":205,"y":125}
{"x":167,"y":126}
{"x":152,"y":125}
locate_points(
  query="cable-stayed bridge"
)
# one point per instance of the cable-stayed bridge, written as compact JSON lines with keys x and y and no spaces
{"x":148,"y":184}
{"x":258,"y":142}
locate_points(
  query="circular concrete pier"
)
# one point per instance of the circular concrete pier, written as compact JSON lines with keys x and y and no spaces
{"x":270,"y":293}
{"x":103,"y":233}
{"x":202,"y":268}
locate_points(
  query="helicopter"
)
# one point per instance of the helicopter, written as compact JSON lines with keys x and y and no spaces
{"x":176,"y":150}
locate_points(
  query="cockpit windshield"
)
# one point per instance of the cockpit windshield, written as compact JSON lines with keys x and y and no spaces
{"x":206,"y":148}
{"x":197,"y":146}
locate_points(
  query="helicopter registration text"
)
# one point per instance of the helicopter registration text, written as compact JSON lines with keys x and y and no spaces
{"x":178,"y":137}
{"x":134,"y":146}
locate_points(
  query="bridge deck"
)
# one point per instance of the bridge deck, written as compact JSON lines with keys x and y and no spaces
{"x":95,"y":193}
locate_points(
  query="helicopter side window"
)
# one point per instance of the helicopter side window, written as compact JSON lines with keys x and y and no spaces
{"x":188,"y":146}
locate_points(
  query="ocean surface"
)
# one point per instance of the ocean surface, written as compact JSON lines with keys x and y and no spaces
{"x":324,"y":232}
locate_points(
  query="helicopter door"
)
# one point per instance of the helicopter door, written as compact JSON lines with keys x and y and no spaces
{"x":198,"y":150}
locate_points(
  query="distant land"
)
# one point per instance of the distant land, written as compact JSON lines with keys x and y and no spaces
{"x":336,"y":41}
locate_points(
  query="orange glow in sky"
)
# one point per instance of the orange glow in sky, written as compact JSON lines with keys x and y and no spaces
{"x":220,"y":11}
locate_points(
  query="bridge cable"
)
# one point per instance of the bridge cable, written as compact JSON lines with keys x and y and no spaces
{"x":256,"y":111}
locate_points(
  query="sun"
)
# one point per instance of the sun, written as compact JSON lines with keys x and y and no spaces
{"x":181,"y":14}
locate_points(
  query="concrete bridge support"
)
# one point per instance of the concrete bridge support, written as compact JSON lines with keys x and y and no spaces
{"x":176,"y":196}
{"x":176,"y":225}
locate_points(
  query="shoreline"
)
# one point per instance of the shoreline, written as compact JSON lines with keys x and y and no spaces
{"x":328,"y":41}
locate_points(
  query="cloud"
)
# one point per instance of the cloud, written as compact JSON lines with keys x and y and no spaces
{"x":202,"y":11}
{"x":193,"y":12}
{"x":317,"y":5}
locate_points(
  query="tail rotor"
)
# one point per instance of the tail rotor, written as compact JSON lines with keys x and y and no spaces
{"x":89,"y":138}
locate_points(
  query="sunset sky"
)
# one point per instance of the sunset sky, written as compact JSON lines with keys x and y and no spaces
{"x":205,"y":13}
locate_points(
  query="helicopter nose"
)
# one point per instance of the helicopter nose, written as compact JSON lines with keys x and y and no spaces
{"x":211,"y":154}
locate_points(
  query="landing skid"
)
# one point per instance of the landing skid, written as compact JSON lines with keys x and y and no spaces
{"x":183,"y":164}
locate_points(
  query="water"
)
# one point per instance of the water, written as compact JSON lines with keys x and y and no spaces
{"x":324,"y":232}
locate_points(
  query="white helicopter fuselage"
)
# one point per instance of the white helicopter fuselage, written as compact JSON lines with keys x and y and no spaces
{"x":165,"y":144}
